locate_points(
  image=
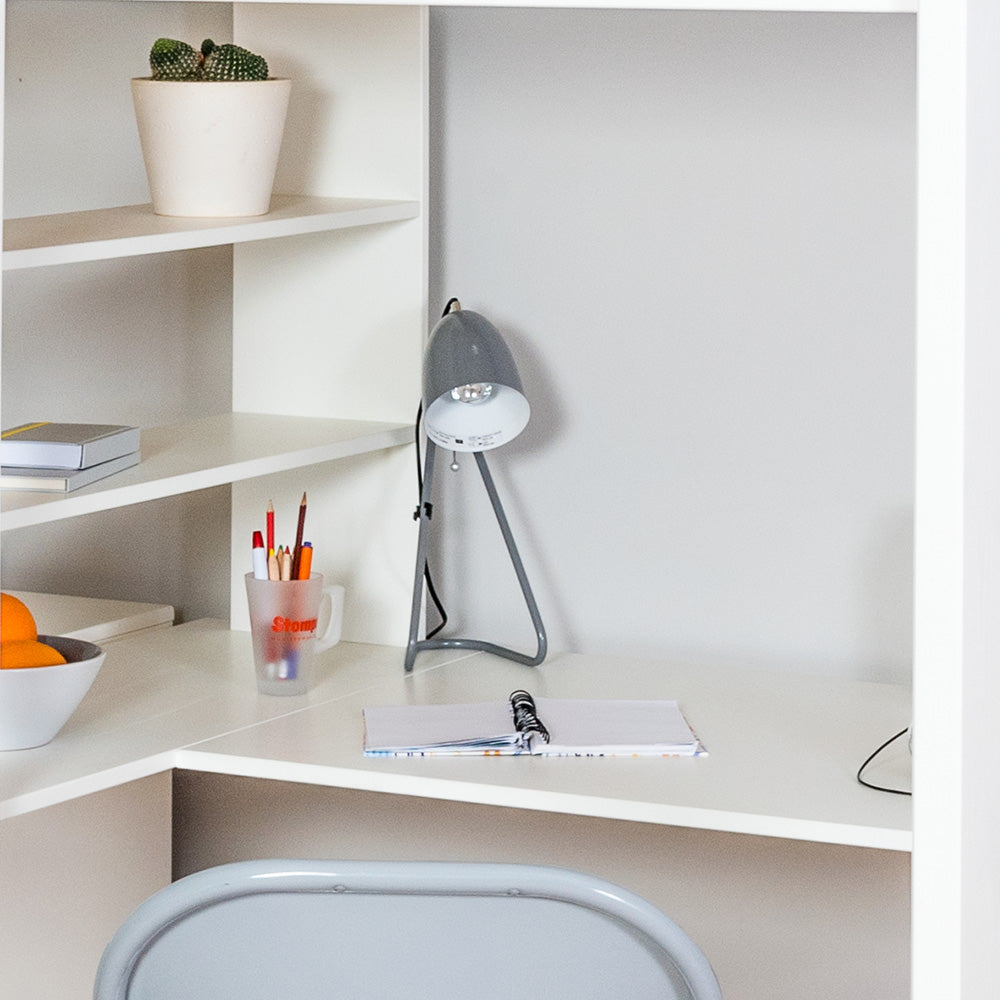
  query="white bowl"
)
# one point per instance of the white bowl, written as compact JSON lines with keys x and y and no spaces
{"x":36,"y":702}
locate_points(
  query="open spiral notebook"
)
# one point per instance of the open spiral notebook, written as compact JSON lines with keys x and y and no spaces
{"x":522,"y":724}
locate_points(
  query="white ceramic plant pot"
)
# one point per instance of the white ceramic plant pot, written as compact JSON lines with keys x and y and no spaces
{"x":211,"y":149}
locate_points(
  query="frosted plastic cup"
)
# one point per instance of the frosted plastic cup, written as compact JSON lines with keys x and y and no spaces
{"x":291,"y":621}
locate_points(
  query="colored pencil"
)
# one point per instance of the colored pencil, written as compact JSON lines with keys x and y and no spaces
{"x":297,"y":551}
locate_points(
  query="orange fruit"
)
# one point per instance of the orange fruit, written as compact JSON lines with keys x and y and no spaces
{"x":16,"y":621}
{"x":18,"y":653}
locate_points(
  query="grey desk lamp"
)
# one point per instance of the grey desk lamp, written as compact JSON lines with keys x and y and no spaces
{"x":472,"y":402}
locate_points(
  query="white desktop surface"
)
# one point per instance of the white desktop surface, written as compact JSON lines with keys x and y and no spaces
{"x":783,"y":749}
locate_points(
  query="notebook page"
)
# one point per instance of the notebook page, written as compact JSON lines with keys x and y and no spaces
{"x":615,"y":727}
{"x":411,"y":728}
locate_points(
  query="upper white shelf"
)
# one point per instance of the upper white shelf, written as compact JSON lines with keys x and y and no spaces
{"x":205,"y":453}
{"x":106,"y":233}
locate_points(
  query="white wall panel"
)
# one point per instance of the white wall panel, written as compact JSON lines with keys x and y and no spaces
{"x":696,"y":231}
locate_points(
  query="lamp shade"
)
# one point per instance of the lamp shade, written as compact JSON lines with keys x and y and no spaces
{"x":473,"y":399}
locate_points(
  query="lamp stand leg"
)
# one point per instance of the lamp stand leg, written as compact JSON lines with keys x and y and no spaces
{"x":414,"y":646}
{"x":423,"y":515}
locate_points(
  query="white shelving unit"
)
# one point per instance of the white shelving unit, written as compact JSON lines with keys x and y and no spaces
{"x":327,"y":293}
{"x":324,"y":296}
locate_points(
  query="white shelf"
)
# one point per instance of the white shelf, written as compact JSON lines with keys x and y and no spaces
{"x":783,"y":749}
{"x":102,"y":234}
{"x":209,"y":452}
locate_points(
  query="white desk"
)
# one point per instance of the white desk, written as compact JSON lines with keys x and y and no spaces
{"x":783,"y":750}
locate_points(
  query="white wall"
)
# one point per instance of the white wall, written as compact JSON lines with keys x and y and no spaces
{"x":696,"y":232}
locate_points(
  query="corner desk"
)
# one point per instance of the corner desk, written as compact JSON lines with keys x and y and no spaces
{"x":793,"y":877}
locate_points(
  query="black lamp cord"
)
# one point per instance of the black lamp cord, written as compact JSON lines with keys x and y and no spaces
{"x":431,"y":590}
{"x":872,"y":756}
{"x":429,"y":508}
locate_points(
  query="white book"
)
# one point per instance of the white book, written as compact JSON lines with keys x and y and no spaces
{"x":50,"y":445}
{"x":564,"y":727}
{"x":62,"y":480}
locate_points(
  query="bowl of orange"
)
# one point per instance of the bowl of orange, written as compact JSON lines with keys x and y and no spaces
{"x":43,"y":678}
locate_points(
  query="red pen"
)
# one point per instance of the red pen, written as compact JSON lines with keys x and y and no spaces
{"x":259,"y":557}
{"x":270,"y":527}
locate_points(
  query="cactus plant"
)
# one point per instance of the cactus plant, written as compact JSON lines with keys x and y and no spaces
{"x":170,"y":59}
{"x":231,"y":62}
{"x":209,"y":151}
{"x":173,"y":60}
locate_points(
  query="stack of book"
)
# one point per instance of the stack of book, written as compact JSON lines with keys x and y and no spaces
{"x":57,"y":458}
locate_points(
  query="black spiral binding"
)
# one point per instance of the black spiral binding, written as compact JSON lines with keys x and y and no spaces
{"x":526,"y":719}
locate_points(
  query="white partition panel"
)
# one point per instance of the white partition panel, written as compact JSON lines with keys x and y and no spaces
{"x":956,"y":867}
{"x":332,"y":324}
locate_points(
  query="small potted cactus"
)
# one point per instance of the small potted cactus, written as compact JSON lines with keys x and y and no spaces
{"x":210,"y":123}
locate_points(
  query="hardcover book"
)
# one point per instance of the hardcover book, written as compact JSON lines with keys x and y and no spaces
{"x":44,"y":444}
{"x":62,"y":480}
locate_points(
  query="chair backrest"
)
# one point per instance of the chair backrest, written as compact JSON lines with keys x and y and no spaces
{"x":304,"y":930}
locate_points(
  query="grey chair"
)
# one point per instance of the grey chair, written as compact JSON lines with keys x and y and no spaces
{"x":305,"y":930}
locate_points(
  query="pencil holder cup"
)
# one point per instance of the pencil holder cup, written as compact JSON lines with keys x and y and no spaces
{"x":290,"y":622}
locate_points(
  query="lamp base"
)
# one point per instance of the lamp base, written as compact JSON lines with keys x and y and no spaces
{"x":416,"y":645}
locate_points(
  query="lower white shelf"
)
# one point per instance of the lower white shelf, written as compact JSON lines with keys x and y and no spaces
{"x":783,"y":749}
{"x":209,"y":452}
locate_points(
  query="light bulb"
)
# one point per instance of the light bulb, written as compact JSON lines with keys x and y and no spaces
{"x":476,"y":416}
{"x":474,"y":392}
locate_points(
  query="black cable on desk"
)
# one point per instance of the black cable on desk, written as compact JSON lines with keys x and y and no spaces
{"x":872,"y":756}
